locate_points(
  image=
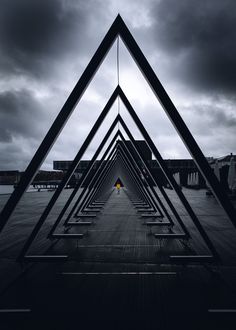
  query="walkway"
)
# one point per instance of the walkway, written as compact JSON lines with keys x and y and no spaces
{"x":118,"y":277}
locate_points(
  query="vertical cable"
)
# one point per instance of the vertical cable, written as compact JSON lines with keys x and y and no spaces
{"x":118,"y":71}
{"x":118,"y":60}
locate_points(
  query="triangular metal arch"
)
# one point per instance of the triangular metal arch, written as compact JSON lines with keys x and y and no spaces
{"x":204,"y":234}
{"x":156,"y":196}
{"x":138,"y":167}
{"x":119,"y":181}
{"x":128,"y":165}
{"x":132,"y":183}
{"x":135,"y":166}
{"x":152,"y":189}
{"x":167,"y":173}
{"x":72,"y":168}
{"x":69,"y":173}
{"x":118,"y":92}
{"x":128,"y":156}
{"x":92,"y":182}
{"x":117,"y":28}
{"x":97,"y":177}
{"x":119,"y":118}
{"x":23,"y":254}
{"x":155,"y":182}
{"x":88,"y":169}
{"x":102,"y":184}
{"x":97,"y":171}
{"x":132,"y":176}
{"x":140,"y":187}
{"x":41,"y":221}
{"x":30,"y":257}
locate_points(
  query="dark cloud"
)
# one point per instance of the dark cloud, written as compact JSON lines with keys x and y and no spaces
{"x":214,"y":117}
{"x":20,"y":115}
{"x":42,"y":43}
{"x":208,"y":119}
{"x":200,"y":38}
{"x":228,"y":121}
{"x":33,"y":34}
{"x":46,"y":44}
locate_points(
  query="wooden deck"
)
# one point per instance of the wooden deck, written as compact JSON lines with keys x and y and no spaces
{"x":119,"y":275}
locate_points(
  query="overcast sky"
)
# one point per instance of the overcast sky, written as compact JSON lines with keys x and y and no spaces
{"x":46,"y":44}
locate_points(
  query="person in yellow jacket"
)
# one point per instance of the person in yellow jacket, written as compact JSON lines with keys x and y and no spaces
{"x":118,"y":188}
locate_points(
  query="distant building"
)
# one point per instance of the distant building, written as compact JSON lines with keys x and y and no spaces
{"x":223,"y":168}
{"x":9,"y":177}
{"x":142,"y":147}
{"x":63,"y":165}
{"x":225,"y":160}
{"x":181,"y":166}
{"x":184,"y":169}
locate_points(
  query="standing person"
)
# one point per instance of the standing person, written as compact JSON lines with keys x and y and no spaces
{"x":118,"y":188}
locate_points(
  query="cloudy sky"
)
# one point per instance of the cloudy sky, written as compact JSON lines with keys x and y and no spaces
{"x":46,"y":44}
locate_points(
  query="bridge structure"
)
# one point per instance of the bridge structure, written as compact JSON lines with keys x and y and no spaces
{"x":137,"y":254}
